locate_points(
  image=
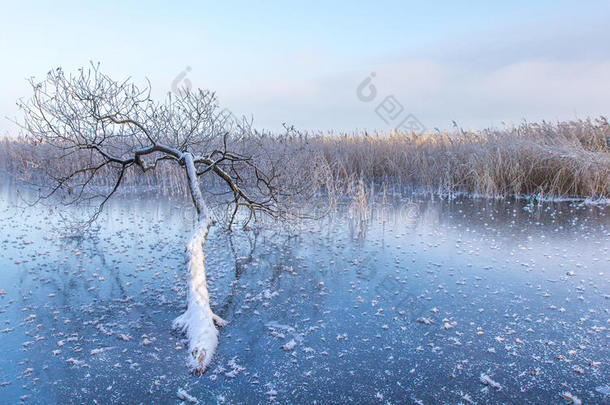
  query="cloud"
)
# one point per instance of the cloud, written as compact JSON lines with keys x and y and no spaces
{"x":437,"y":93}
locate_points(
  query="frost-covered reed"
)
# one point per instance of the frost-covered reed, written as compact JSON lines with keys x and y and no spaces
{"x":566,"y":159}
{"x":545,"y":160}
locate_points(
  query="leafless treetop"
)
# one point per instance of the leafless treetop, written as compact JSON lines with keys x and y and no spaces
{"x":86,"y":126}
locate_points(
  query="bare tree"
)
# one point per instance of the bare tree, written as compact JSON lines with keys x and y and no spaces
{"x":87,"y":128}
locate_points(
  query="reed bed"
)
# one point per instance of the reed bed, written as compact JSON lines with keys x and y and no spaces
{"x":561,"y":160}
{"x":543,"y":160}
{"x":18,"y":161}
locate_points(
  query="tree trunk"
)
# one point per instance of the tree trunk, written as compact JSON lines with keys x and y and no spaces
{"x":198,"y":322}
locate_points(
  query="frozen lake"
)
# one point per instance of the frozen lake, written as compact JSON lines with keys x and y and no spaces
{"x":468,"y":301}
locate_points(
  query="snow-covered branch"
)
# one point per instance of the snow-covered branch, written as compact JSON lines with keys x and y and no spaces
{"x":86,"y":128}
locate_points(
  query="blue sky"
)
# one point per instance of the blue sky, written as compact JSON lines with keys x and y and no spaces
{"x":479,"y":63}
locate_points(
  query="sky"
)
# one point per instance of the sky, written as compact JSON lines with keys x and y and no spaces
{"x":329,"y":65}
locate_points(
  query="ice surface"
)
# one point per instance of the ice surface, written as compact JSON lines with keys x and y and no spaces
{"x":511,"y":297}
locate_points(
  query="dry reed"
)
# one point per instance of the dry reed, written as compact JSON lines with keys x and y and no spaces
{"x":551,"y":160}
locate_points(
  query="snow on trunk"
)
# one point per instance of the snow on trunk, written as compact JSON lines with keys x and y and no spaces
{"x":198,"y":322}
